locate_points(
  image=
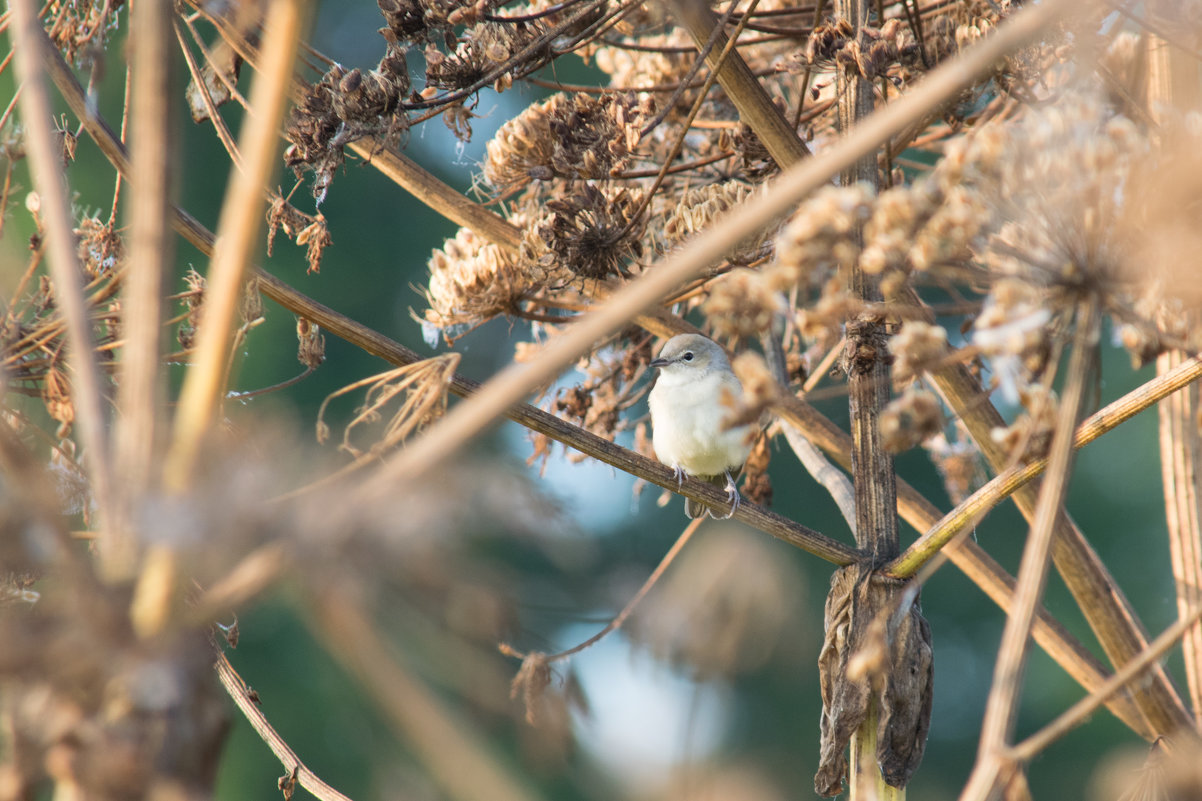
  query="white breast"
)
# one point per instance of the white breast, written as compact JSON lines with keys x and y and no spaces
{"x":686,"y":418}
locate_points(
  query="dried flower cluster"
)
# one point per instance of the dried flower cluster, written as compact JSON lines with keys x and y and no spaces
{"x":578,"y":136}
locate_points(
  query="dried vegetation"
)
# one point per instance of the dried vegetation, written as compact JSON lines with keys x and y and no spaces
{"x":998,"y":227}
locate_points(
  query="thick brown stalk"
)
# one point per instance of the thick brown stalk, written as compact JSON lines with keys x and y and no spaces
{"x":866,"y":363}
{"x":755,"y":108}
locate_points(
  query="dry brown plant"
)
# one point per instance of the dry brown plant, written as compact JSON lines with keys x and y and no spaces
{"x":934,"y":208}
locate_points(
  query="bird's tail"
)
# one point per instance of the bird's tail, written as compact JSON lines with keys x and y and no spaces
{"x":695,"y":509}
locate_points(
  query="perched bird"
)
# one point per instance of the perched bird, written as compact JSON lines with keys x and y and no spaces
{"x":687,"y":414}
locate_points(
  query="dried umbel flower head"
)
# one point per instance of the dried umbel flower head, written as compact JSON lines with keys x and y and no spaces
{"x":1012,"y":329}
{"x":760,"y":390}
{"x":342,"y":107}
{"x":660,"y":61}
{"x":742,"y":305}
{"x":481,"y":49}
{"x":193,"y":301}
{"x":909,"y":419}
{"x":473,"y":280}
{"x":591,"y":232}
{"x":100,"y":247}
{"x":819,"y":237}
{"x":698,"y":208}
{"x":822,"y":322}
{"x":1030,"y":435}
{"x":958,"y":462}
{"x":917,"y":346}
{"x":896,"y":215}
{"x":578,"y":136}
{"x":1056,"y":192}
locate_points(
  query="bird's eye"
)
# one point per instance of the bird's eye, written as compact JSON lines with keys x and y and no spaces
{"x":688,"y":356}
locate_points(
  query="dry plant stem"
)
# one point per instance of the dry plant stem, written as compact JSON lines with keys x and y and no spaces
{"x":237,"y":237}
{"x":1172,"y":83}
{"x":33,"y":52}
{"x":866,"y":350}
{"x":825,"y":473}
{"x":811,"y":458}
{"x":215,"y":119}
{"x":458,"y":759}
{"x":1180,"y":460}
{"x":141,"y":392}
{"x":437,"y":195}
{"x":512,"y":384}
{"x":1079,"y":712}
{"x":740,"y":84}
{"x":241,"y":695}
{"x":1001,"y":708}
{"x":1006,"y":483}
{"x":868,"y":380}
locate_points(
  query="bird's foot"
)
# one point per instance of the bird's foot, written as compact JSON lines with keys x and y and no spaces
{"x":732,"y":495}
{"x":679,"y":475}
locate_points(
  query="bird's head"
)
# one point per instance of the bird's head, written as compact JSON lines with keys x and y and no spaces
{"x":690,"y":353}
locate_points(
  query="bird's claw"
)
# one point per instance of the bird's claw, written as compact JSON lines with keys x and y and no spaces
{"x":679,"y":471}
{"x":732,"y":495}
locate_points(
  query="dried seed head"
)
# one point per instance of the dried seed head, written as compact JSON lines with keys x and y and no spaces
{"x":742,"y":305}
{"x":311,"y":344}
{"x":1030,"y":435}
{"x":101,"y":249}
{"x":916,"y":347}
{"x":910,"y":419}
{"x":698,"y":208}
{"x":959,"y":463}
{"x":820,"y":236}
{"x":591,"y":232}
{"x":577,"y":136}
{"x":473,"y":280}
{"x":760,"y":389}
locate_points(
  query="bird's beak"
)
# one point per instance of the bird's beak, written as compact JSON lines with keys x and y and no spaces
{"x":660,"y":362}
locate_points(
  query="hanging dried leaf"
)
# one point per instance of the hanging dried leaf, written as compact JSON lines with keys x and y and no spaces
{"x":871,"y":657}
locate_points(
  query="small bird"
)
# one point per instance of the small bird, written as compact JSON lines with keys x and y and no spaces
{"x":687,"y":415}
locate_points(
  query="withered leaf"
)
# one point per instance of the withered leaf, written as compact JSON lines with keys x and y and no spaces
{"x":860,"y":622}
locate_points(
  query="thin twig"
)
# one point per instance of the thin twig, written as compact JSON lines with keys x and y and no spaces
{"x":244,"y":698}
{"x":458,"y":757}
{"x":631,"y":605}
